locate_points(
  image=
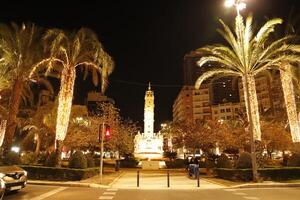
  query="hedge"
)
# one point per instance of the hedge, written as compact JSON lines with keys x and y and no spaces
{"x":286,"y":173}
{"x":178,"y":163}
{"x":59,"y":174}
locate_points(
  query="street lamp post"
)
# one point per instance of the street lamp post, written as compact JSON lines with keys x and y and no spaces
{"x":241,"y":5}
{"x":101,"y":150}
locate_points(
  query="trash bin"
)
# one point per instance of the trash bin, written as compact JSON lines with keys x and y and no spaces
{"x":193,"y":170}
{"x":117,"y":165}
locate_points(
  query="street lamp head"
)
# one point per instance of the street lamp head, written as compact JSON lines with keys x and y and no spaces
{"x":241,"y":6}
{"x":229,"y":3}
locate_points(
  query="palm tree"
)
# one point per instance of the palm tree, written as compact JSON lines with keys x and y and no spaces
{"x":5,"y":75}
{"x":288,"y":72}
{"x":246,"y":56}
{"x":19,"y":47}
{"x":67,"y":51}
{"x":5,"y":82}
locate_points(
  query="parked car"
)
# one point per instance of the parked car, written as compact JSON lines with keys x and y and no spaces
{"x":2,"y":187}
{"x":14,"y":177}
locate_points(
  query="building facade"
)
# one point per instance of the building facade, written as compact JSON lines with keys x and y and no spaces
{"x":193,"y":104}
{"x":226,"y":111}
{"x":221,"y":98}
{"x":269,"y":93}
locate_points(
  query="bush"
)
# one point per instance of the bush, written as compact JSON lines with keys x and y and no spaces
{"x":42,"y":157}
{"x":244,"y":161}
{"x":294,"y":160}
{"x":272,"y":163}
{"x":277,"y":174}
{"x":129,"y":162}
{"x":178,"y":163}
{"x":12,"y":158}
{"x":59,"y":174}
{"x":29,"y":159}
{"x":224,"y":162}
{"x":90,"y":161}
{"x":170,"y":154}
{"x":78,"y":160}
{"x":210,"y":163}
{"x":52,"y":160}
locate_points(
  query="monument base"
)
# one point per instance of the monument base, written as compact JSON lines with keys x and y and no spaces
{"x":152,"y":164}
{"x":148,"y":155}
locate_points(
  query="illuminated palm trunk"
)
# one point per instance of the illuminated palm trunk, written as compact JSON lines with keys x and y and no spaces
{"x":253,"y":118}
{"x":2,"y":131}
{"x":290,"y":103}
{"x":252,"y":112}
{"x":65,"y":102}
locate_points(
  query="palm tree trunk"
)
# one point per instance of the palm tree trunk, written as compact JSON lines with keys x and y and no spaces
{"x":253,"y":117}
{"x":2,"y":134}
{"x":290,"y":103}
{"x":252,"y":105}
{"x":38,"y":145}
{"x":64,"y":106}
{"x":14,"y":104}
{"x":2,"y":131}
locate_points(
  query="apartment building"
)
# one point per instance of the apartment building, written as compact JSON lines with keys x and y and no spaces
{"x":193,"y":104}
{"x":269,"y":93}
{"x":225,"y":111}
{"x":221,"y":98}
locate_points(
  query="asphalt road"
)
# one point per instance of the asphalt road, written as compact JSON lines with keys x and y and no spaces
{"x":35,"y":192}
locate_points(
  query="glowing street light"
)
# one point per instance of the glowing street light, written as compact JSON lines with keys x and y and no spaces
{"x":229,"y":3}
{"x":238,"y":4}
{"x":241,"y":6}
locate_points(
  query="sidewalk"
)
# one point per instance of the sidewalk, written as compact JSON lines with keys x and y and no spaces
{"x":94,"y":181}
{"x":158,"y":180}
{"x":127,"y":179}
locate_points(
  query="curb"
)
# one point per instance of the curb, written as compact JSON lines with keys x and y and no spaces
{"x":67,"y":184}
{"x":116,"y":179}
{"x":264,"y":185}
{"x":213,"y":182}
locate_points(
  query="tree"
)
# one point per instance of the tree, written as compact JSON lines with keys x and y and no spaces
{"x":67,"y":51}
{"x":83,"y":132}
{"x":275,"y":137}
{"x":287,"y":69}
{"x":122,"y":138}
{"x":247,"y":55}
{"x":6,"y":77}
{"x":40,"y":132}
{"x":20,"y":51}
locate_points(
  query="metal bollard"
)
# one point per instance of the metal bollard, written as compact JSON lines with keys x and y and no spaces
{"x":138,"y":179}
{"x":168,"y":179}
{"x":198,"y":179}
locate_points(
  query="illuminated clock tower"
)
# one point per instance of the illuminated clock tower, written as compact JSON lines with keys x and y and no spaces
{"x":149,"y":113}
{"x":148,"y":145}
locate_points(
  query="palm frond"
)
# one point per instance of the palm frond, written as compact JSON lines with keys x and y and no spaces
{"x":214,"y":72}
{"x":266,"y":29}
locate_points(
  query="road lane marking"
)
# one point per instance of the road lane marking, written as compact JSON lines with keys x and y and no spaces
{"x":112,"y":189}
{"x":240,"y":193}
{"x":50,"y":193}
{"x":251,"y":198}
{"x":109,"y":193}
{"x":106,"y":197}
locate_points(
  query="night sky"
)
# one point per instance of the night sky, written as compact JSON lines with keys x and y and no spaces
{"x":147,"y":40}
